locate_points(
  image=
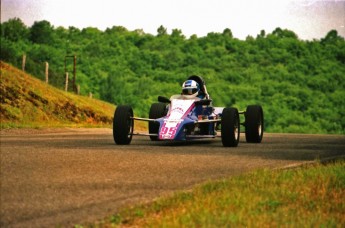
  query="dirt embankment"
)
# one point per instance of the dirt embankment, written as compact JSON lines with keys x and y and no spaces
{"x":27,"y":101}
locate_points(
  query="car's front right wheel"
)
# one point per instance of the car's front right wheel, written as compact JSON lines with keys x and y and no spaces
{"x":123,"y":125}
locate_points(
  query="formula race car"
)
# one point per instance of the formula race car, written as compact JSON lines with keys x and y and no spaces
{"x":190,"y":116}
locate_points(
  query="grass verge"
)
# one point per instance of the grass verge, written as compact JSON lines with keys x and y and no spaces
{"x":312,"y":196}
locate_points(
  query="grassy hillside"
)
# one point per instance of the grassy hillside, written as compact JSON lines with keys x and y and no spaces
{"x":28,"y":102}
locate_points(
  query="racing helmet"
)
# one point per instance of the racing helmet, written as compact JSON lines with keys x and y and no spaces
{"x":190,"y":89}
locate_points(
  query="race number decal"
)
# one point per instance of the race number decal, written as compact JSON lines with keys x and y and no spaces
{"x":168,"y":131}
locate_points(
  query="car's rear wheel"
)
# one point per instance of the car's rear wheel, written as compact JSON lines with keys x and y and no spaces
{"x":230,"y":127}
{"x":157,"y":110}
{"x":123,"y":125}
{"x":254,"y":123}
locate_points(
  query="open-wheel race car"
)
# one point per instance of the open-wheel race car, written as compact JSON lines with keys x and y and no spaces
{"x":190,"y":116}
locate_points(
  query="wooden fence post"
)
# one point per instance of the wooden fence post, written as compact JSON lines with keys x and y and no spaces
{"x":66,"y":82}
{"x":23,"y":62}
{"x":47,"y":72}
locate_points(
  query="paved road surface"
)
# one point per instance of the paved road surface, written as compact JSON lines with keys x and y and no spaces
{"x":73,"y":176}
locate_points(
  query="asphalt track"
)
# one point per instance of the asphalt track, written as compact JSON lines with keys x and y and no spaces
{"x":74,"y":176}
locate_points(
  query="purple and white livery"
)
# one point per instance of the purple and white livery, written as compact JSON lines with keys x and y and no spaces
{"x":190,"y":116}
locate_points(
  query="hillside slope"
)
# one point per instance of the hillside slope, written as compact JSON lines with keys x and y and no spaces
{"x":26,"y":101}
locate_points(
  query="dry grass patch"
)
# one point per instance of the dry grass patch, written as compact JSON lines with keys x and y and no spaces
{"x":29,"y":102}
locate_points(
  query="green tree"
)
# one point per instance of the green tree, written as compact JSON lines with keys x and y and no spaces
{"x":228,"y":33}
{"x":14,"y":30}
{"x":284,"y":33}
{"x":41,"y":32}
{"x":331,"y":37}
{"x":161,"y":31}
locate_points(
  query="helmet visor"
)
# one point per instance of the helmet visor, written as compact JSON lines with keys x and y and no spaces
{"x":189,"y":91}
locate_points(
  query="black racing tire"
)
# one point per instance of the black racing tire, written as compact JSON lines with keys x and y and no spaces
{"x":230,"y":127}
{"x":254,"y":123}
{"x":123,"y":125}
{"x":157,"y":110}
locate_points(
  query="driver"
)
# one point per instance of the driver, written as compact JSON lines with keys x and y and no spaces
{"x":191,"y":89}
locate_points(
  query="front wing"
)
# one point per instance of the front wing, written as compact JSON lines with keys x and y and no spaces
{"x":187,"y":136}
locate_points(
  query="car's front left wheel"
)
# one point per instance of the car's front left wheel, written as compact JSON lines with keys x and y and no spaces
{"x":230,"y":127}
